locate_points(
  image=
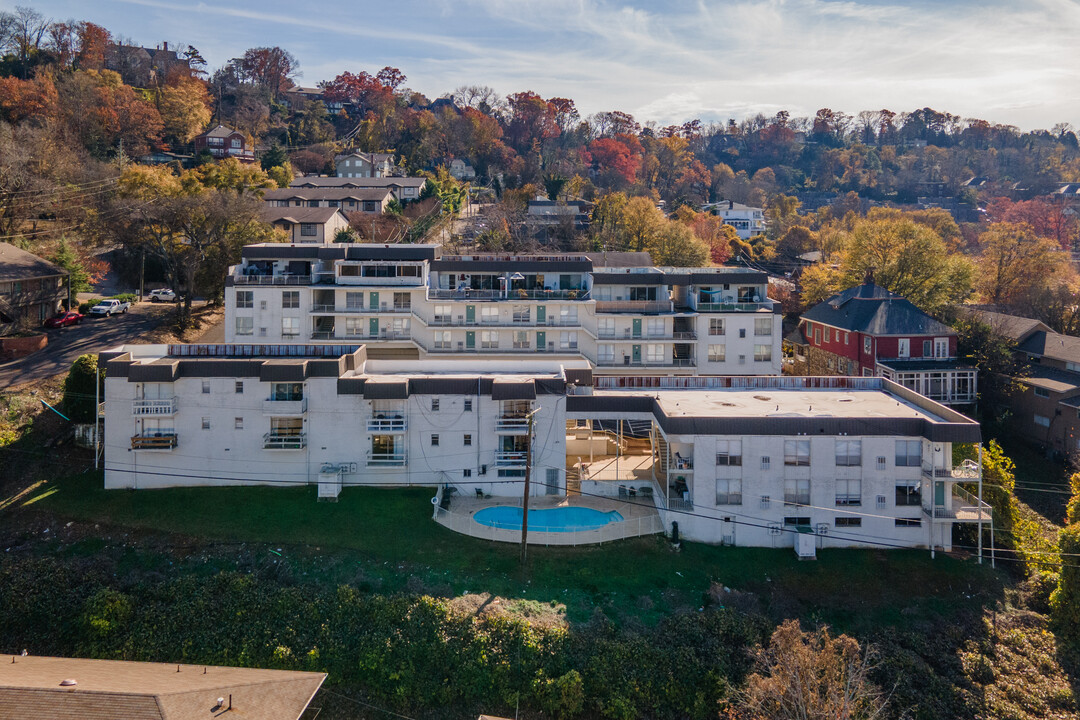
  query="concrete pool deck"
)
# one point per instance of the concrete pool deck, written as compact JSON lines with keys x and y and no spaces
{"x":639,"y":518}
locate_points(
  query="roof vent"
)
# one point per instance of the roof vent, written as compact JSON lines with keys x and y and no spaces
{"x":70,"y":682}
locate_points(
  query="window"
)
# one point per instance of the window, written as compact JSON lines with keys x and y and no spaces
{"x":520,"y":340}
{"x":848,"y":453}
{"x":434,"y":404}
{"x":468,"y":405}
{"x":262,"y":332}
{"x":849,"y":492}
{"x":489,"y":314}
{"x":442,"y":313}
{"x":238,"y":423}
{"x":716,"y":326}
{"x":927,"y":348}
{"x":763,"y":326}
{"x":402,"y":301}
{"x":903,"y":347}
{"x":762,"y":353}
{"x":568,"y":340}
{"x":239,"y":387}
{"x":654,"y":353}
{"x":605,"y":327}
{"x":522,"y":313}
{"x":290,"y":327}
{"x":908,"y":492}
{"x":845,"y":338}
{"x":568,"y":315}
{"x":467,"y":472}
{"x":442,"y":339}
{"x":245,"y":326}
{"x":286,"y":391}
{"x":354,"y":326}
{"x":908,"y":522}
{"x":1041,"y":392}
{"x":796,"y":452}
{"x":655,"y":327}
{"x":817,"y":336}
{"x":766,"y":462}
{"x":742,"y":359}
{"x":290,"y":299}
{"x":742,"y":332}
{"x":826,"y":334}
{"x":867,"y":344}
{"x":796,"y":491}
{"x":717,"y":353}
{"x":848,"y":522}
{"x":489,"y":339}
{"x":206,"y":387}
{"x":206,"y":423}
{"x":1072,"y":367}
{"x":729,"y":491}
{"x":467,"y":440}
{"x":309,"y":229}
{"x":908,"y":453}
{"x":245,"y":298}
{"x":729,"y":452}
{"x":605,"y":354}
{"x":796,"y":522}
{"x":434,"y":440}
{"x":1042,"y":420}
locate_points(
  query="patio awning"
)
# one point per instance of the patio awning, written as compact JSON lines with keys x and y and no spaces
{"x":386,"y":389}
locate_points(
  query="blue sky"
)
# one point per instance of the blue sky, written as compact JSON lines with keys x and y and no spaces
{"x":1010,"y":61}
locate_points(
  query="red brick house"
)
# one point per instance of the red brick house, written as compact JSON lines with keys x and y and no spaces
{"x":224,"y":142}
{"x":870,"y":331}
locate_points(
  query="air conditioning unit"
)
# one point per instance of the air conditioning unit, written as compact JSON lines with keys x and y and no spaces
{"x":460,"y":318}
{"x":460,"y":345}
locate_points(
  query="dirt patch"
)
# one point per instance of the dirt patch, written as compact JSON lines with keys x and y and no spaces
{"x":536,"y":613}
{"x":202,"y":319}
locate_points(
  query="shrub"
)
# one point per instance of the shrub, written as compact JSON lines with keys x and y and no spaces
{"x":1065,"y":600}
{"x":79,"y":391}
{"x":125,"y":297}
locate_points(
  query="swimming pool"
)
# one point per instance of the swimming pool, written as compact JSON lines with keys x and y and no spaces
{"x":560,"y":519}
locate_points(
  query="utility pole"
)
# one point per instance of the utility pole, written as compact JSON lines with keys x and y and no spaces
{"x":142,"y":271}
{"x":525,"y":500}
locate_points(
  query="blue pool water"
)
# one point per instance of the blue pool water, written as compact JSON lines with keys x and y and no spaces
{"x":561,"y":519}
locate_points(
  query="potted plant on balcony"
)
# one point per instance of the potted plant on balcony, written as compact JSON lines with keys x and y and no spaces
{"x":522,"y":293}
{"x":572,"y":294}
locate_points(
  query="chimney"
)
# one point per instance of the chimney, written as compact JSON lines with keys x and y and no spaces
{"x":165,"y":46}
{"x":730,"y":204}
{"x":869,"y":279}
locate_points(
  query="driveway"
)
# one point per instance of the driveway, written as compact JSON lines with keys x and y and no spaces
{"x":93,"y":335}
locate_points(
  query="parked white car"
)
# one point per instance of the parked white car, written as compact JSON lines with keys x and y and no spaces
{"x":109,"y":307}
{"x":162,"y":295}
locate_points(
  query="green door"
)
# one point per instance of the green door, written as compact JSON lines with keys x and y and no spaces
{"x":541,"y":316}
{"x":374,"y":301}
{"x":373,"y":327}
{"x":470,"y":339}
{"x":541,"y":341}
{"x":470,"y":314}
{"x":635,"y":354}
{"x":939,"y":494}
{"x":636,"y":327}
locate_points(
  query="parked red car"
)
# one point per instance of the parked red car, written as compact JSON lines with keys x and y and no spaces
{"x":64,"y":319}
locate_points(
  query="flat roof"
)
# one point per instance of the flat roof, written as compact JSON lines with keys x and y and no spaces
{"x":782,"y":403}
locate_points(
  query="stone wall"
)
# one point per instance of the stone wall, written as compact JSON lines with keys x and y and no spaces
{"x":12,"y":348}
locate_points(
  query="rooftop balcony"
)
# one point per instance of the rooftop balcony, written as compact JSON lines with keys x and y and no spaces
{"x":240,"y":278}
{"x":158,"y":407}
{"x":468,"y":295}
{"x":734,"y":306}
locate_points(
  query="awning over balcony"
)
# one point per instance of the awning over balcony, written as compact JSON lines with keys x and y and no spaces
{"x":513,"y":389}
{"x":386,"y":389}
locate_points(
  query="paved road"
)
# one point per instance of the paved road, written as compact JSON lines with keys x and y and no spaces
{"x":93,"y":335}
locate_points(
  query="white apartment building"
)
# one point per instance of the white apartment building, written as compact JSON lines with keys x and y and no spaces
{"x":748,"y":221}
{"x":623,"y":320}
{"x":749,"y":461}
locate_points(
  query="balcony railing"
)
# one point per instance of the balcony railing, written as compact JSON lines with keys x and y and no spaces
{"x":387,"y":425}
{"x":241,"y":279}
{"x":154,"y":440}
{"x":159,"y":407}
{"x":962,"y":506}
{"x":284,"y":407}
{"x":512,"y":426}
{"x":511,"y":459}
{"x":506,"y":295}
{"x":284,"y":441}
{"x":628,"y":362}
{"x":634,"y":306}
{"x":387,"y":458}
{"x":733,"y":306}
{"x":322,"y":335}
{"x":968,"y":470}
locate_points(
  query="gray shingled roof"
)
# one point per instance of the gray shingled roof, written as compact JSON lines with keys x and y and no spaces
{"x":1015,"y":327}
{"x":344,"y":182}
{"x":871,"y":309}
{"x":297,"y":214}
{"x":332,"y":193}
{"x":1055,"y":346}
{"x":17,"y":264}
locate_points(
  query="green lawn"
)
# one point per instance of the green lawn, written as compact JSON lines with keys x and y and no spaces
{"x":390,"y":536}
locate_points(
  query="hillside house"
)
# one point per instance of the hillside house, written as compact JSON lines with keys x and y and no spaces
{"x":32,"y":289}
{"x":748,"y":221}
{"x":306,"y":224}
{"x":224,"y":142}
{"x":364,"y":165}
{"x":350,"y":200}
{"x":403,"y":189}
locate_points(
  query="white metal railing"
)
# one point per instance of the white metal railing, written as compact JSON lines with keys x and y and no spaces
{"x":649,"y":524}
{"x":733,"y":306}
{"x":387,"y":425}
{"x":241,"y":279}
{"x":387,"y":459}
{"x":634,"y":306}
{"x":284,"y":441}
{"x":272,"y":406}
{"x":511,"y":426}
{"x":510,"y":459}
{"x":155,"y":407}
{"x":967,"y":470}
